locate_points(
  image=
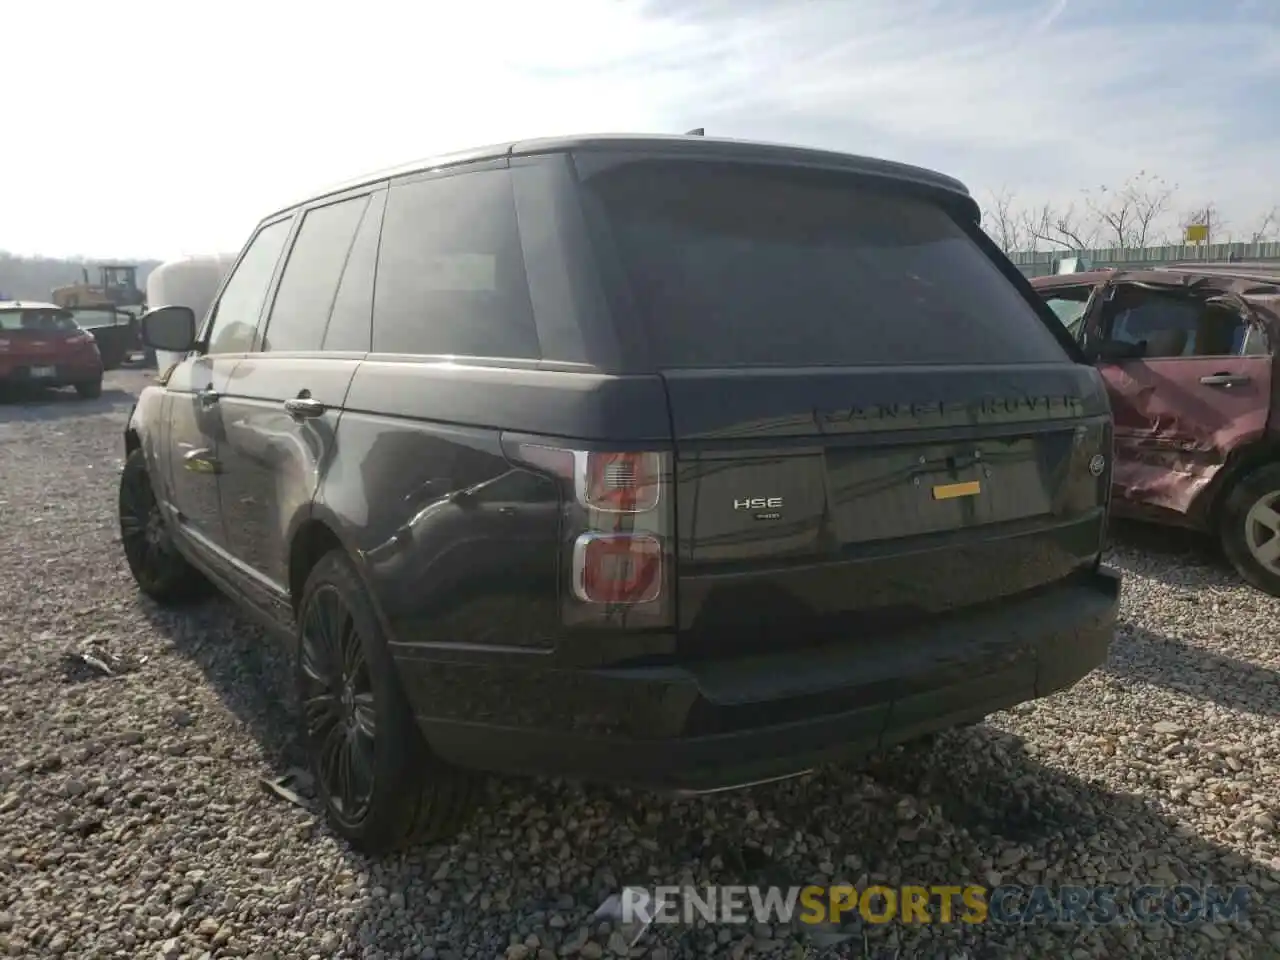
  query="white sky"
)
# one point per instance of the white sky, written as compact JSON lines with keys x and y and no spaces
{"x":157,"y":129}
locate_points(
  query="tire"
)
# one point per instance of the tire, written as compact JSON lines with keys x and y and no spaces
{"x":160,"y":571}
{"x":1250,"y":543}
{"x":89,"y":389}
{"x":353,"y":715}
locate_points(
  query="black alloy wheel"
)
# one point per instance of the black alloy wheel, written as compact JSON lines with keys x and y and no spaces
{"x":382,"y":787}
{"x":158,"y":568}
{"x":338,"y":705}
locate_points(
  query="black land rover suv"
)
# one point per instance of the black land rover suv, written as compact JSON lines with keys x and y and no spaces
{"x":669,"y":461}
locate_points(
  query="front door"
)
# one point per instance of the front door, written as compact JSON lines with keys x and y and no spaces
{"x":195,"y":434}
{"x":282,"y":407}
{"x":195,"y":387}
{"x":1200,"y":388}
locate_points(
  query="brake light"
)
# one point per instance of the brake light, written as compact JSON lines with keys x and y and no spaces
{"x":4,"y":345}
{"x":81,"y":339}
{"x":617,"y":568}
{"x":618,"y":532}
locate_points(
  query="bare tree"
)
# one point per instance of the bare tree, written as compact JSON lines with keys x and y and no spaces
{"x":1067,"y":227}
{"x":1143,"y":212}
{"x":1268,"y":226}
{"x":1002,"y":223}
{"x":1131,"y":215}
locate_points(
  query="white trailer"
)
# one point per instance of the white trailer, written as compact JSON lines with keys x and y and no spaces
{"x":188,"y":282}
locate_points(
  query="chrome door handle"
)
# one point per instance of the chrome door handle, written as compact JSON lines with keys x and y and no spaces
{"x":1225,"y":380}
{"x":208,"y":397}
{"x":304,"y":408}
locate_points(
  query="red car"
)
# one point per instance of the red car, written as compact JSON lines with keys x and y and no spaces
{"x":1188,"y":354}
{"x":42,"y":345}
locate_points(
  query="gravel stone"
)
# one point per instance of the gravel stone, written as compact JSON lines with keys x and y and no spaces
{"x":133,"y":822}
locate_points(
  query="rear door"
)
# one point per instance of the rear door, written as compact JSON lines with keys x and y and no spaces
{"x":281,"y":408}
{"x":872,"y":422}
{"x":1201,"y":388}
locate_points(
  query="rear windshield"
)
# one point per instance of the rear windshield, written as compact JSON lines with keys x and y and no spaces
{"x":37,"y":321}
{"x":765,"y":267}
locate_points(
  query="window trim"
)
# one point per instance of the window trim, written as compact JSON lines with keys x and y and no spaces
{"x":300,"y":214}
{"x":379,"y":196}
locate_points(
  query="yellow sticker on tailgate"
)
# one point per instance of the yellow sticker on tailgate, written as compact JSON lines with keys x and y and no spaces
{"x":949,"y":491}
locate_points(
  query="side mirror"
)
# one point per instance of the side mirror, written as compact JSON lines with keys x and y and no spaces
{"x":169,"y":328}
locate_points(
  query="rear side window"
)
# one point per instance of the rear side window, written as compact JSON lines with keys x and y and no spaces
{"x":733,"y":266}
{"x":451,"y":276}
{"x":310,"y":279}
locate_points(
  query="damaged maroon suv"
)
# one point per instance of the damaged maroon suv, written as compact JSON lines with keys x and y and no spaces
{"x":1187,"y":355}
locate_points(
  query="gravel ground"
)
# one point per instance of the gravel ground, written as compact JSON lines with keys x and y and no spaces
{"x":133,"y":819}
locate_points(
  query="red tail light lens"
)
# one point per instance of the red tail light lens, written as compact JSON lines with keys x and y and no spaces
{"x":620,"y":482}
{"x":81,"y":339}
{"x":618,"y":532}
{"x":617,"y":568}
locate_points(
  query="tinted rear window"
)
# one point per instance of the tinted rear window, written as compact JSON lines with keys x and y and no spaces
{"x":37,"y":321}
{"x":751,"y":267}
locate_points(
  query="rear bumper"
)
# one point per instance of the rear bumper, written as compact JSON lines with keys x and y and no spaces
{"x":712,"y":725}
{"x":65,"y":373}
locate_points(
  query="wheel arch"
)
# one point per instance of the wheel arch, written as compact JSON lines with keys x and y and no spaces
{"x":316,"y":535}
{"x":1240,"y":463}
